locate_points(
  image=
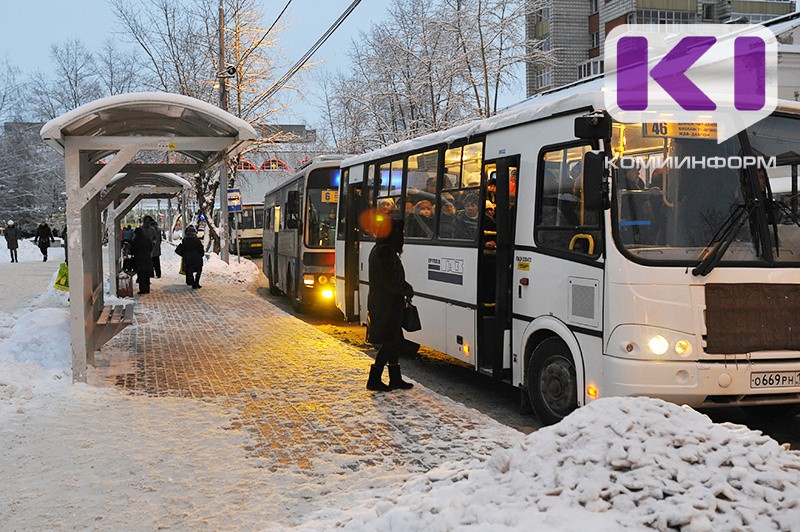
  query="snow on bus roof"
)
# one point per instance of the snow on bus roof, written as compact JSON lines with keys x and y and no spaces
{"x":580,"y":95}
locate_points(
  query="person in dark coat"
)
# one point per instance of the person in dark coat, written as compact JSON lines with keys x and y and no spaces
{"x":154,"y":233}
{"x":192,"y":252}
{"x":44,"y":235}
{"x":12,"y":239}
{"x":388,"y":291}
{"x":141,"y":248}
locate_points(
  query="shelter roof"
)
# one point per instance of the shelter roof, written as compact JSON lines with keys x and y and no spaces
{"x":148,"y":114}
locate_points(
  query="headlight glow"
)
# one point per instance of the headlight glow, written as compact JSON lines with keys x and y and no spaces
{"x":658,"y":344}
{"x":308,"y":279}
{"x":327,"y":294}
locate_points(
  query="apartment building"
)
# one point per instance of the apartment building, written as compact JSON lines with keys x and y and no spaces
{"x":575,"y":29}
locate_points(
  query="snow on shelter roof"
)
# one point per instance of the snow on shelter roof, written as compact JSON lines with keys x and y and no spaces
{"x":152,"y":114}
{"x":586,"y":94}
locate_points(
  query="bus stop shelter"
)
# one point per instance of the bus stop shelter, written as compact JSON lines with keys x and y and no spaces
{"x":131,"y":134}
{"x":122,"y":194}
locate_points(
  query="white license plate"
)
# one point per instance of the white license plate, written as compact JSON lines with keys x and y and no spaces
{"x":775,"y":379}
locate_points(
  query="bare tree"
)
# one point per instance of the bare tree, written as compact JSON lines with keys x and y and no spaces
{"x":430,"y":66}
{"x":117,"y":71}
{"x":180,"y":41}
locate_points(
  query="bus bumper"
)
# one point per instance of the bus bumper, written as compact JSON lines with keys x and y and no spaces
{"x":704,"y":384}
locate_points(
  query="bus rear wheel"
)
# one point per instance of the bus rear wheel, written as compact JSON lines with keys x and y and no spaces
{"x":552,"y":384}
{"x":273,"y":289}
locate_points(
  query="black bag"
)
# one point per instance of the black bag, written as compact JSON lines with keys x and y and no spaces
{"x":179,"y":249}
{"x":411,"y":321}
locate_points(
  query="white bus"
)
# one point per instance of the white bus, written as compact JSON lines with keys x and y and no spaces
{"x":299,"y":233}
{"x":248,"y":230}
{"x":675,"y":283}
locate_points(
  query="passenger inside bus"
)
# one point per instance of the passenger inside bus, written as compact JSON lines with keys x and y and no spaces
{"x":467,"y":220}
{"x":447,"y":217}
{"x":420,"y":223}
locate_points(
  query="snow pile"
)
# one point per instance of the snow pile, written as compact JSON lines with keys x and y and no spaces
{"x":214,"y":268}
{"x":29,"y":252}
{"x":636,"y":463}
{"x":34,"y":356}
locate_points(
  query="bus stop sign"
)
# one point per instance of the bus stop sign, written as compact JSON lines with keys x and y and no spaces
{"x":234,"y":200}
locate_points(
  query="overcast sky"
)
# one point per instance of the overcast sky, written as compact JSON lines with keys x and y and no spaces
{"x":30,"y":27}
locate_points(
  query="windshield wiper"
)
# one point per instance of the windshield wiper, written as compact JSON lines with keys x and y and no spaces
{"x":723,"y":238}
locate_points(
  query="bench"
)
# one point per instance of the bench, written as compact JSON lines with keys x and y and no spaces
{"x":112,"y":320}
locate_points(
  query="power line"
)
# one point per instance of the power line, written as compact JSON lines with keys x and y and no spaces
{"x":303,"y":60}
{"x":241,"y":61}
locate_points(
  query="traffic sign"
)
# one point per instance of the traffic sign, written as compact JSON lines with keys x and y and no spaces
{"x":234,"y":200}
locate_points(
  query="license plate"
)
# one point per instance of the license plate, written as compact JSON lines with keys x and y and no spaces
{"x":775,"y":379}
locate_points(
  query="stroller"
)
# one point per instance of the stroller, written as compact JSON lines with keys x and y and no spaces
{"x":128,"y":265}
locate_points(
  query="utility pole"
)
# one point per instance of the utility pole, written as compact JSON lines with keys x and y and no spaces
{"x":223,"y":167}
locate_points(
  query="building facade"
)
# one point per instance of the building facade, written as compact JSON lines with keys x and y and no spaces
{"x":575,"y":30}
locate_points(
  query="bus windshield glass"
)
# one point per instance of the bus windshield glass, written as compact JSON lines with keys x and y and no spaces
{"x":321,"y":199}
{"x":679,"y":195}
{"x":251,"y":217}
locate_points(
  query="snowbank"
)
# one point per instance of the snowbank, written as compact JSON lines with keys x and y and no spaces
{"x":29,"y":252}
{"x":214,"y":268}
{"x":632,"y":463}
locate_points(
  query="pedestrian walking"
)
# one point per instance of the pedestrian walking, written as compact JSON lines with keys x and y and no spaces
{"x":66,"y":244}
{"x":142,"y":248}
{"x":388,"y":292}
{"x":192,"y":253}
{"x":43,"y":237}
{"x":12,"y":239}
{"x":154,"y":233}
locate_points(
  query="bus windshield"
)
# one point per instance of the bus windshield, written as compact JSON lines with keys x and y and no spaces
{"x":251,"y":217}
{"x":678,"y":194}
{"x":321,"y":199}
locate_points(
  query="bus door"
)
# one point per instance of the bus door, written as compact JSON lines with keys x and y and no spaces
{"x":496,"y":250}
{"x":351,"y":239}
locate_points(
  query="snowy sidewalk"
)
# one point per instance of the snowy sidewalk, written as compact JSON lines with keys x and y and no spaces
{"x":217,"y":411}
{"x":298,"y":393}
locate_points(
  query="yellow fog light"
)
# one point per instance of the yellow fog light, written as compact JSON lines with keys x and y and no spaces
{"x":327,"y":294}
{"x":308,"y":279}
{"x":683,"y":347}
{"x":658,"y":345}
{"x":592,"y":392}
{"x":322,"y":279}
{"x":332,"y":280}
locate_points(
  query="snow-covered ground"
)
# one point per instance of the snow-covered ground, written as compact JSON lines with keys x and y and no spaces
{"x":74,"y":456}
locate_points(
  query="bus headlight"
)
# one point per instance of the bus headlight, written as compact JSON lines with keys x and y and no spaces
{"x":658,"y":345}
{"x":308,"y":279}
{"x":322,"y":279}
{"x":327,"y":293}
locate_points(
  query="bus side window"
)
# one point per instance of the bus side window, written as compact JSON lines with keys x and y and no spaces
{"x":562,"y":221}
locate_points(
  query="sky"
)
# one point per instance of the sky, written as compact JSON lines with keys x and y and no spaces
{"x":77,"y":456}
{"x":31,"y":26}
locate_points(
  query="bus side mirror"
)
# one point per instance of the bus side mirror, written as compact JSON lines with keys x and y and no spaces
{"x":594,"y":126}
{"x":292,"y":210}
{"x":594,"y":183}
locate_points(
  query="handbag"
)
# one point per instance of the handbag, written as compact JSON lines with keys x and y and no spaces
{"x":411,"y":321}
{"x":181,"y":271}
{"x":179,"y":249}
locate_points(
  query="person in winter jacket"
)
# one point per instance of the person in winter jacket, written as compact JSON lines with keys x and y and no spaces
{"x":44,"y":235}
{"x":154,"y":233}
{"x":192,"y":252}
{"x":388,"y":291}
{"x":142,"y":248}
{"x":12,"y":239}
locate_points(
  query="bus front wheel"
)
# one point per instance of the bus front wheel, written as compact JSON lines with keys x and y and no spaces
{"x":552,"y":384}
{"x":779,"y":412}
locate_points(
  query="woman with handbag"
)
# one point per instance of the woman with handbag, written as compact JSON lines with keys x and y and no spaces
{"x":388,"y":292}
